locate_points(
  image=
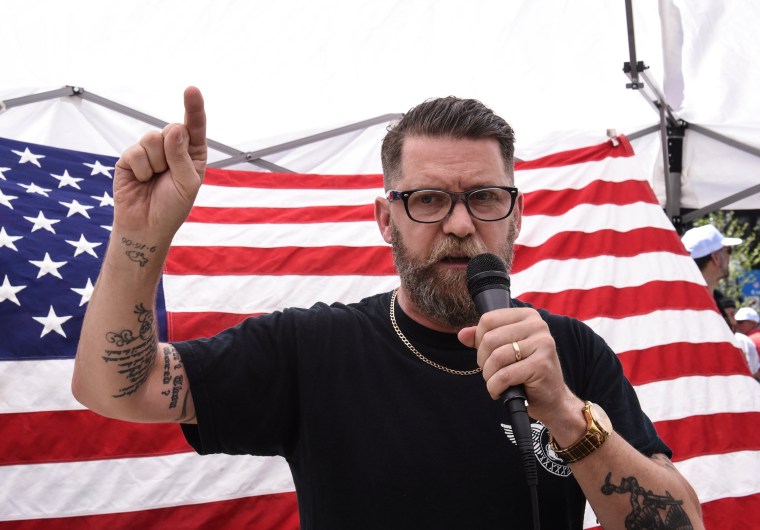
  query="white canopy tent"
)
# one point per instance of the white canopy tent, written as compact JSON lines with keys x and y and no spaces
{"x":310,"y":87}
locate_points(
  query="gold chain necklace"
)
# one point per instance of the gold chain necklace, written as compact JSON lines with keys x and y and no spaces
{"x":417,"y":353}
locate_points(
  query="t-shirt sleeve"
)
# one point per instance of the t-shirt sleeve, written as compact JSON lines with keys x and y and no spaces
{"x":243,"y":388}
{"x":595,"y":373}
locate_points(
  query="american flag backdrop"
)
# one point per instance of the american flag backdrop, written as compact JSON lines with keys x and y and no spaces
{"x":595,"y":244}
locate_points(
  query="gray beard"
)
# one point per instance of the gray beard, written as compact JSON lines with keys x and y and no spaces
{"x":442,"y":295}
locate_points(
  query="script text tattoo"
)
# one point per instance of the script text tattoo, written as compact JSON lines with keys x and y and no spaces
{"x":176,"y":383}
{"x":136,"y":353}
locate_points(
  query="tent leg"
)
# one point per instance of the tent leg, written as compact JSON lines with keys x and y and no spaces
{"x":672,"y":144}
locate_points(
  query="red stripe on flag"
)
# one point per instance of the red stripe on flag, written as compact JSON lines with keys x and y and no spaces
{"x":582,"y":155}
{"x":313,"y":214}
{"x":621,"y":302}
{"x":58,"y":438}
{"x":736,"y":513}
{"x":682,"y":359}
{"x":322,"y":261}
{"x":186,"y":326}
{"x":253,"y":179}
{"x":278,"y":511}
{"x":558,"y":202}
{"x":582,"y":245}
{"x":729,"y":433}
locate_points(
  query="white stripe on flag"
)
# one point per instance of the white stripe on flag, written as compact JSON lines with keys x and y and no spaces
{"x":265,"y":293}
{"x":577,"y":176}
{"x":589,"y":218}
{"x":239,"y":197}
{"x":661,"y":327}
{"x":34,"y":386}
{"x":708,"y":474}
{"x":694,"y":395}
{"x":130,"y":484}
{"x":697,"y":396}
{"x":355,"y":234}
{"x":555,"y":276}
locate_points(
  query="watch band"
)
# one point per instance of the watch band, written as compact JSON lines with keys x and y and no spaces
{"x":598,"y":429}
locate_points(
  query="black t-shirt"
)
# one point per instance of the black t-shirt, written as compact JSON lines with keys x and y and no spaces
{"x":377,"y":439}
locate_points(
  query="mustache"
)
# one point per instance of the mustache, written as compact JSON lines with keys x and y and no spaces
{"x":455,"y":247}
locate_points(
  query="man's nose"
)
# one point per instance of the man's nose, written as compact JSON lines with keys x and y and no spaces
{"x":459,"y":222}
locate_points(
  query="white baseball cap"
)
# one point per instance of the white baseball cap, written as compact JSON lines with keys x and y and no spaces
{"x":747,"y":313}
{"x":706,"y":239}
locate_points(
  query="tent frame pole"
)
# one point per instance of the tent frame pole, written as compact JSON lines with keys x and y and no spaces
{"x":236,"y":155}
{"x":69,"y":91}
{"x":242,"y":157}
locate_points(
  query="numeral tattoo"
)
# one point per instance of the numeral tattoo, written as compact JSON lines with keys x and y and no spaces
{"x":135,"y":361}
{"x":138,"y":256}
{"x":649,"y":508}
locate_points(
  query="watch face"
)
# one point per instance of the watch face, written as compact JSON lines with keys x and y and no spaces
{"x":601,"y":418}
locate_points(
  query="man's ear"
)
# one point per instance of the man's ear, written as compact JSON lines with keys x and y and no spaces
{"x":383,"y":218}
{"x":517,"y":213}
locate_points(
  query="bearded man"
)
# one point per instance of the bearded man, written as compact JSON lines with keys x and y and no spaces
{"x":386,"y":409}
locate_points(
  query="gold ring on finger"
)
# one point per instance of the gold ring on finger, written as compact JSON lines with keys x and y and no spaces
{"x":518,"y":352}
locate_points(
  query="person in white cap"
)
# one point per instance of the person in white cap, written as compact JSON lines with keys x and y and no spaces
{"x":711,"y":251}
{"x":748,"y":322}
{"x":748,"y":318}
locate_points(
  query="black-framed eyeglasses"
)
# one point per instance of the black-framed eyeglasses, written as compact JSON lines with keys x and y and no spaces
{"x":491,"y":203}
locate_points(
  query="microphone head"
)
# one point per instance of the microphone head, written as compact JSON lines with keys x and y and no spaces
{"x":486,"y":271}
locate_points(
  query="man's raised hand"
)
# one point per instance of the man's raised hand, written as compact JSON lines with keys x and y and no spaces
{"x":157,"y":179}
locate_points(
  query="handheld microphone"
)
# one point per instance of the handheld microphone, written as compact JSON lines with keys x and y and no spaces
{"x":488,"y":283}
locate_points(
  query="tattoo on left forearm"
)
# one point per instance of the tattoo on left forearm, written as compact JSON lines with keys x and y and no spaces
{"x":138,"y":256}
{"x":135,"y":361}
{"x":649,"y":510}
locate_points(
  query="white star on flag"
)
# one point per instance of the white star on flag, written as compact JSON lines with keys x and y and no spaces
{"x":2,"y":170}
{"x":28,"y":156}
{"x":34,"y":188}
{"x":5,"y":200}
{"x":98,"y":168}
{"x":67,"y":180}
{"x":42,"y":222}
{"x":8,"y":291}
{"x":85,"y":292}
{"x":7,"y":240}
{"x":48,"y":266}
{"x":75,"y":207}
{"x":52,"y":322}
{"x":105,"y":200}
{"x":83,"y":246}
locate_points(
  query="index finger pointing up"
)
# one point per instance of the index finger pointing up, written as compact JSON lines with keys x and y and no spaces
{"x":195,"y":121}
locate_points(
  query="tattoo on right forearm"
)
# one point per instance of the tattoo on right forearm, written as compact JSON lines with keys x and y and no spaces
{"x":648,"y":508}
{"x":136,"y":360}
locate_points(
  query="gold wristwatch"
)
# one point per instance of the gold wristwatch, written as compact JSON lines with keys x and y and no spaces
{"x":598,"y":429}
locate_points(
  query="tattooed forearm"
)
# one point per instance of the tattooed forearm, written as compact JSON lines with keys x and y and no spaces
{"x":137,"y":251}
{"x":173,"y":361}
{"x":649,"y":511}
{"x":135,"y":361}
